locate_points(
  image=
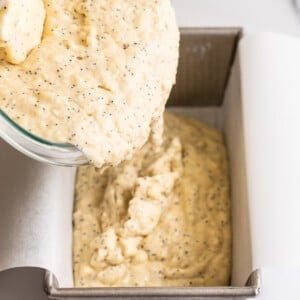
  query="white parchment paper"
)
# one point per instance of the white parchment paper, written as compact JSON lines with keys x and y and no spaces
{"x":36,"y":203}
{"x":270,"y":70}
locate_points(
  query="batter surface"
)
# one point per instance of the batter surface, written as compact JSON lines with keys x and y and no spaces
{"x":95,"y":74}
{"x":161,"y":219}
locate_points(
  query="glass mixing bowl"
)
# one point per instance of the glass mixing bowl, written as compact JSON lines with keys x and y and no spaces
{"x":38,"y":148}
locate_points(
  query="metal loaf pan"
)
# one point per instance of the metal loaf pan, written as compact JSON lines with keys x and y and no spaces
{"x":205,"y":79}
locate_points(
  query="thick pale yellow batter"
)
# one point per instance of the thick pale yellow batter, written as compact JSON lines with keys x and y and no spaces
{"x":161,"y":219}
{"x":100,"y":76}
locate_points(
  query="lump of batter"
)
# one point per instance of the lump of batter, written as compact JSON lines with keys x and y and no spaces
{"x":161,"y":219}
{"x":21,"y":27}
{"x":99,"y":78}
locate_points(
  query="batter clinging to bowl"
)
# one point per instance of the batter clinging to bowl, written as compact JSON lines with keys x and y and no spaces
{"x":98,"y":77}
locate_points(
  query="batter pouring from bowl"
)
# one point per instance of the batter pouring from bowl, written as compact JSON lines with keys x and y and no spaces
{"x":98,"y":77}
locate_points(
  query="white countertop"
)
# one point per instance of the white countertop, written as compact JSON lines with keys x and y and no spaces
{"x":253,"y":15}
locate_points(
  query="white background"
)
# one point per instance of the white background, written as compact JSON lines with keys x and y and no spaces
{"x":254,"y":15}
